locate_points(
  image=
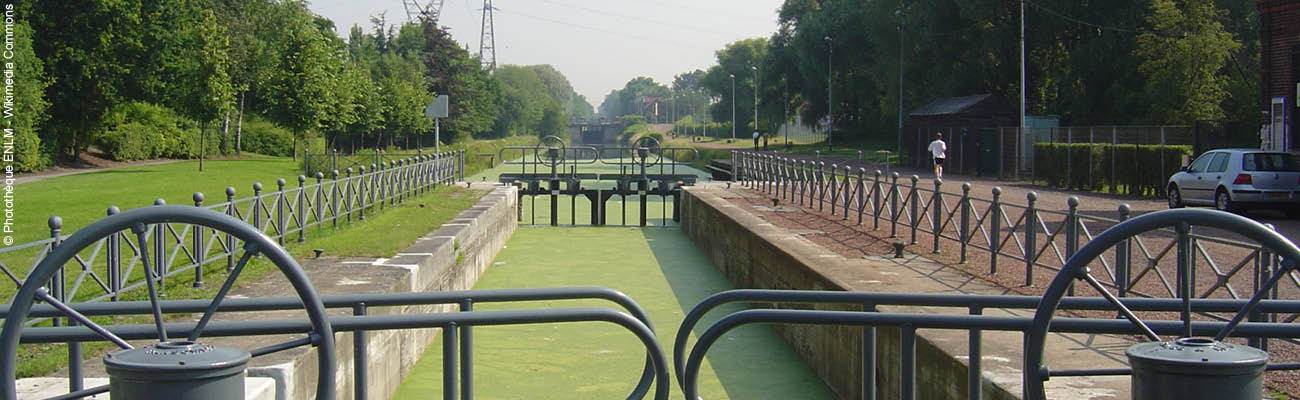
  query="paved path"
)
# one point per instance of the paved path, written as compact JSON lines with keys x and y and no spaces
{"x":55,"y":172}
{"x":1091,"y":204}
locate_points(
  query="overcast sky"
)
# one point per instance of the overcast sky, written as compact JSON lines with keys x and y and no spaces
{"x":598,"y":44}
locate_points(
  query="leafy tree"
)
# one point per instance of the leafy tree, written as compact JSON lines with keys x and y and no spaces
{"x":27,"y":114}
{"x":297,"y":96}
{"x":738,"y":59}
{"x":1182,"y":60}
{"x":453,"y":72}
{"x":523,"y":98}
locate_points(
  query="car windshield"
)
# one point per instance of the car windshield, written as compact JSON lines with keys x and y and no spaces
{"x":1272,"y":162}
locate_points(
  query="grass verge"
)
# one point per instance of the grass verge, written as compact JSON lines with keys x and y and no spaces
{"x":384,"y":233}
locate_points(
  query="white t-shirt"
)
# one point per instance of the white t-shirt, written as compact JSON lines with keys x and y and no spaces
{"x":755,"y":134}
{"x":938,"y":148}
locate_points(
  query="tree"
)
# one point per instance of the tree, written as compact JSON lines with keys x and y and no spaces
{"x":297,"y":96}
{"x":523,"y":98}
{"x":1182,"y":60}
{"x":738,"y":59}
{"x":28,"y":114}
{"x":453,"y":72}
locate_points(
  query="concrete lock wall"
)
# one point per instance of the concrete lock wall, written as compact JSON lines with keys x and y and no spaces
{"x":754,"y":254}
{"x":450,"y":258}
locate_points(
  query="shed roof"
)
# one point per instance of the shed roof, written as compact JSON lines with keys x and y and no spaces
{"x":949,"y":105}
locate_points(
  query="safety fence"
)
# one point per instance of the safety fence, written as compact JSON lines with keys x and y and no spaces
{"x":336,"y":161}
{"x":1027,"y":236}
{"x":113,"y":266}
{"x":457,"y":327}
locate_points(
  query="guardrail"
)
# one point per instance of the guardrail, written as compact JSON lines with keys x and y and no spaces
{"x":1029,"y":235}
{"x":1035,"y":329}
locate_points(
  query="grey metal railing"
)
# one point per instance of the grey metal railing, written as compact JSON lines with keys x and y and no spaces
{"x":1035,"y":329}
{"x":1028,"y":235}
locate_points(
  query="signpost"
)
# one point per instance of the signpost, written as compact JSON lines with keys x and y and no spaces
{"x":437,"y":109}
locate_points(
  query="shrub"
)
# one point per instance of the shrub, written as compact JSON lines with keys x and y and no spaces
{"x":138,"y":131}
{"x":263,"y":137}
{"x":1126,"y":168}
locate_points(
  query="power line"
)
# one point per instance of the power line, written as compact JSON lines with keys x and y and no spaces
{"x":1087,"y":23}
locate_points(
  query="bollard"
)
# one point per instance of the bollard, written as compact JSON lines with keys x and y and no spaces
{"x":1196,"y":368}
{"x":898,"y":249}
{"x":177,"y":371}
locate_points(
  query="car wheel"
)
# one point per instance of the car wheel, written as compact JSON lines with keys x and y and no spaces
{"x":1175,"y":197}
{"x":1223,"y":202}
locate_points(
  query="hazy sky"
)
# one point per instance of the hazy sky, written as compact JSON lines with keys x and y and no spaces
{"x":598,"y":44}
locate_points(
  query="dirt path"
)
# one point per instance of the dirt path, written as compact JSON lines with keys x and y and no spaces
{"x":87,"y":162}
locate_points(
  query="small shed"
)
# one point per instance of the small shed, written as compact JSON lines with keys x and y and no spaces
{"x":972,"y":127}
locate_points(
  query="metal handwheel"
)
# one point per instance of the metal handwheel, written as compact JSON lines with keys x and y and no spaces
{"x":142,"y":361}
{"x":646,"y":151}
{"x":1159,"y":351}
{"x":550,"y":151}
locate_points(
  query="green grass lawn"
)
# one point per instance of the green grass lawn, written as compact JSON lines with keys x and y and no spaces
{"x":382,"y":234}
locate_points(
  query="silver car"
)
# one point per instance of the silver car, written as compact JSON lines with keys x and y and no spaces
{"x":1237,"y":179}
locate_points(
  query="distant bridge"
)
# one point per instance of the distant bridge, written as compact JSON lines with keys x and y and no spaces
{"x":593,"y":132}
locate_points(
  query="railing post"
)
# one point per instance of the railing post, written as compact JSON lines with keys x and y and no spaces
{"x":876,"y":205}
{"x":1031,"y":248}
{"x":821,"y":186}
{"x":915,"y":199}
{"x":862,"y":196}
{"x":467,"y":354}
{"x":936,"y":221}
{"x":461,"y":158}
{"x":1123,"y":256}
{"x":57,"y":289}
{"x":907,"y":364}
{"x":361,"y":193}
{"x":256,"y":218}
{"x":198,"y":246}
{"x":279,"y":212}
{"x":868,"y":357}
{"x":1071,"y":234}
{"x":334,"y":199}
{"x":114,"y":257}
{"x":449,"y":361}
{"x":360,"y":356}
{"x":159,"y":251}
{"x":347,"y":194}
{"x":893,"y":206}
{"x":834,"y":188}
{"x":803,"y":181}
{"x":965,"y":221}
{"x":300,"y":214}
{"x":995,"y":227}
{"x":975,"y":376}
{"x":319,"y":203}
{"x":230,"y":239}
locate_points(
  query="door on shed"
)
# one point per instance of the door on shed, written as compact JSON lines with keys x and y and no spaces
{"x":989,"y":143}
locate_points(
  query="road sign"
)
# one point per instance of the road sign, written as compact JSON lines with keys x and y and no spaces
{"x":437,"y":108}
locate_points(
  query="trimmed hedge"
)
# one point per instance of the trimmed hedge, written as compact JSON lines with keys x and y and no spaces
{"x":1122,"y":169}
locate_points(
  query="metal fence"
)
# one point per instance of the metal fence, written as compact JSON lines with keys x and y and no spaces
{"x":113,"y":267}
{"x":1034,"y":238}
{"x":335,"y":161}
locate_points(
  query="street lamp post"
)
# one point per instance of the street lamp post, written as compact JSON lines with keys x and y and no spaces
{"x":830,"y":100}
{"x":733,"y":106}
{"x":755,"y":69}
{"x":899,"y":154}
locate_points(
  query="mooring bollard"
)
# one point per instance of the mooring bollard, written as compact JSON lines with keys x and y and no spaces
{"x":177,"y":371}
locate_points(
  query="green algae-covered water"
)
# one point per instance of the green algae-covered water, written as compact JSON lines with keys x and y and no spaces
{"x":658,"y":267}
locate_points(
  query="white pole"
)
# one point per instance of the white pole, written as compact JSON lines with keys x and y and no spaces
{"x":437,"y":137}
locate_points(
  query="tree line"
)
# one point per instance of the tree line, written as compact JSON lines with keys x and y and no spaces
{"x":1119,"y":62}
{"x":180,"y":78}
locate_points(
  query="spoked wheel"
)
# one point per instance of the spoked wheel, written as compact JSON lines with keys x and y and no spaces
{"x":647,"y":151}
{"x":133,"y":361}
{"x":1181,"y":220}
{"x":551,"y":151}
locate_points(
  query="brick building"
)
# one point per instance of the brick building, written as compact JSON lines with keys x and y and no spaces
{"x":1280,"y":73}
